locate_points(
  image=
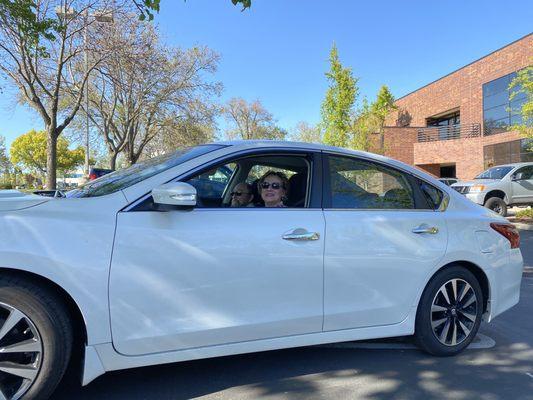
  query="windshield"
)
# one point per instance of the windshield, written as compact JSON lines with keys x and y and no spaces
{"x":494,"y":173}
{"x":127,"y":177}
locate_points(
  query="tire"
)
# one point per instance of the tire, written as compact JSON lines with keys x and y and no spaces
{"x":497,"y":205}
{"x":438,"y":310}
{"x":33,"y":316}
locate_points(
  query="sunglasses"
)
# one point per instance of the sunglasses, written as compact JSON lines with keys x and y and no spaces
{"x":238,"y":194}
{"x":274,"y":185}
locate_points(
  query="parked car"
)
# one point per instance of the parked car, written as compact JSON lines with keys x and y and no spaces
{"x":141,"y":267}
{"x":500,"y":187}
{"x":448,"y":181}
{"x":96,"y":173}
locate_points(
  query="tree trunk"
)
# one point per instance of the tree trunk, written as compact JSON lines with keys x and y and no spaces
{"x":51,"y":159}
{"x":113,"y":161}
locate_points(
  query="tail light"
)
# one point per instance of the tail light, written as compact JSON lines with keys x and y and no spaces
{"x":92,"y":176}
{"x":509,"y":232}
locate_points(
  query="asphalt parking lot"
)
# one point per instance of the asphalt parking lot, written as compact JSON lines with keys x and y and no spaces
{"x":498,"y":366}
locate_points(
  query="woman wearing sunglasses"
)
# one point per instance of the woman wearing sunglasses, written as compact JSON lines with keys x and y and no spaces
{"x":273,"y":188}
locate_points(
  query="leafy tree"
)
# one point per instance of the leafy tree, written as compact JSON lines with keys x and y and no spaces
{"x":250,"y":121}
{"x":29,"y":152}
{"x":337,"y":108}
{"x":145,"y":91}
{"x":5,"y":164}
{"x":523,"y":84}
{"x":383,"y":105}
{"x":304,"y":132}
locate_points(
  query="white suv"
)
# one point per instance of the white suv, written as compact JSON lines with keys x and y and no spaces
{"x":500,"y":187}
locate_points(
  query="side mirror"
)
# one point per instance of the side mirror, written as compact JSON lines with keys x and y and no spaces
{"x":518,"y":177}
{"x":179,"y":194}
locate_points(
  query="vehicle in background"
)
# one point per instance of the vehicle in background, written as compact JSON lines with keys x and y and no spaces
{"x":500,"y":187}
{"x":448,"y":181}
{"x":96,"y":173}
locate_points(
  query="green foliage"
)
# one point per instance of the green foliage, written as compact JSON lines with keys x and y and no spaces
{"x":4,"y":159}
{"x":337,"y":108}
{"x":29,"y":151}
{"x":22,"y":13}
{"x":527,"y":213}
{"x":523,"y":83}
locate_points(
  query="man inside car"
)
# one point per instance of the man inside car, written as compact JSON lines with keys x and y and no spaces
{"x":242,"y":195}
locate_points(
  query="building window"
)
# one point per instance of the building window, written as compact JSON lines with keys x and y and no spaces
{"x":507,"y":153}
{"x":499,"y":112}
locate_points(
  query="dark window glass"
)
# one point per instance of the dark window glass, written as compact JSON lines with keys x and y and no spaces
{"x":496,"y":86}
{"x":361,"y":184}
{"x":527,"y":172}
{"x":433,"y":195}
{"x":501,"y":105}
{"x":497,"y":113}
{"x":494,"y":173}
{"x":499,"y":99}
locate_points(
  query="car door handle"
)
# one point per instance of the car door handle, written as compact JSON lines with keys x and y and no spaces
{"x":426,"y":229}
{"x":299,"y":234}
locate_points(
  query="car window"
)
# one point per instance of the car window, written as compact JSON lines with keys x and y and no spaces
{"x":210,"y":185}
{"x":433,"y":196}
{"x":362,"y":184}
{"x":219,"y":186}
{"x":527,"y":172}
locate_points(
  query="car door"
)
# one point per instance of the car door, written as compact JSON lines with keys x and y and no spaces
{"x":382,"y":240}
{"x":522,"y":190}
{"x":184,"y":279}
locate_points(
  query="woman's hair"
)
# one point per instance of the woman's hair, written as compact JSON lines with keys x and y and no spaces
{"x":280,"y":175}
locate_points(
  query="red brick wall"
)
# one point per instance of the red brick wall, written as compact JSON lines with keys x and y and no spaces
{"x":463,"y":88}
{"x":467,"y":154}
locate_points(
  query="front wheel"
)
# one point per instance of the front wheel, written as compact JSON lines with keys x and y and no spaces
{"x":35,"y":340}
{"x":449,"y":312}
{"x":497,"y":205}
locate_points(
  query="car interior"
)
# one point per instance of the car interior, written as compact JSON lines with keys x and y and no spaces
{"x":214,"y":186}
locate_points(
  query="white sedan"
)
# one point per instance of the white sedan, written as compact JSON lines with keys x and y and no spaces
{"x":159,"y":263}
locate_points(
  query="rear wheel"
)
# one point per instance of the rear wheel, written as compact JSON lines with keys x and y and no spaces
{"x":449,"y":312}
{"x":35,"y":340}
{"x":497,"y":205}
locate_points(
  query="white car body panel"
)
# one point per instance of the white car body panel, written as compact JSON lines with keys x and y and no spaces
{"x":239,"y":282}
{"x":374,"y":264}
{"x":70,"y":242}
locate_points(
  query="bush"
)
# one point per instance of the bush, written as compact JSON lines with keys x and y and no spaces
{"x":6,"y":186}
{"x":527,"y":213}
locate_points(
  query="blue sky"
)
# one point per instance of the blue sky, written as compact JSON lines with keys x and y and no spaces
{"x":277,"y":51}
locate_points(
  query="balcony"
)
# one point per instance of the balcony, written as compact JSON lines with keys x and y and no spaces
{"x":448,"y":132}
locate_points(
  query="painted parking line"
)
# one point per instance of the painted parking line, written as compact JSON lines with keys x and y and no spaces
{"x":530,"y":375}
{"x":480,"y":342}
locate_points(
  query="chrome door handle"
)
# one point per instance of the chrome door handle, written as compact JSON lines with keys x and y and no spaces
{"x":299,"y":235}
{"x":426,"y":229}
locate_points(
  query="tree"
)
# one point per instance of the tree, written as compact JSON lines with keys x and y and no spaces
{"x":28,"y":151}
{"x":145,"y":91}
{"x":304,"y":132}
{"x":5,"y":163}
{"x":250,"y":121}
{"x":522,"y":85}
{"x":337,"y":108}
{"x":45,"y":76}
{"x":383,"y":105}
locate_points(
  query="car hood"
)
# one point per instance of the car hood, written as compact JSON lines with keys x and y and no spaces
{"x":11,"y":200}
{"x":476,"y":182}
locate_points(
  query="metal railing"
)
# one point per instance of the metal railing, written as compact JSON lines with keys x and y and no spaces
{"x":449,"y":132}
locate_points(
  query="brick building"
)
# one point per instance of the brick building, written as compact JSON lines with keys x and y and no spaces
{"x":459,"y":125}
